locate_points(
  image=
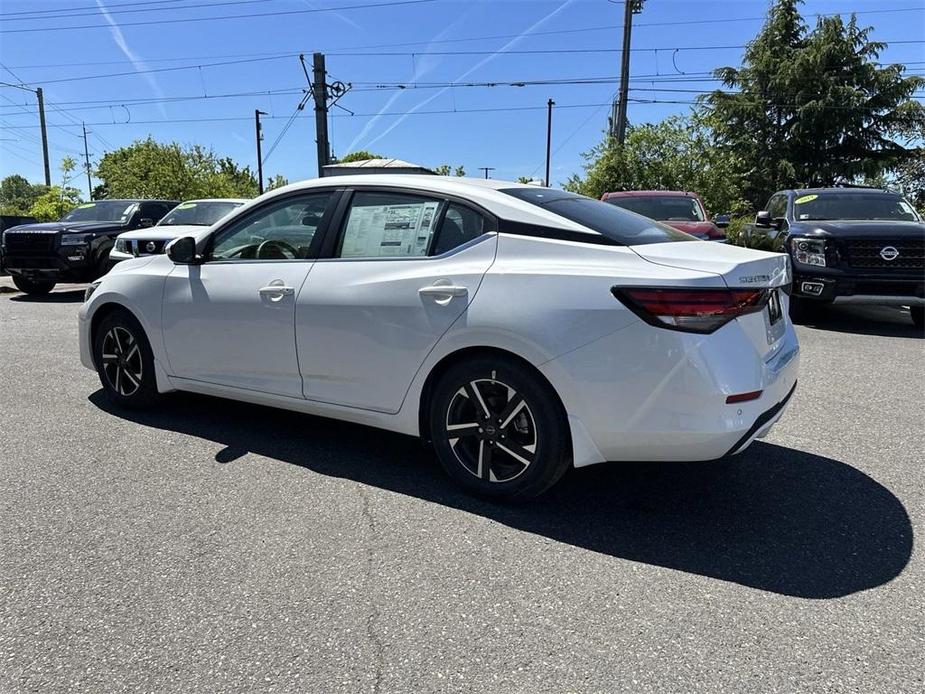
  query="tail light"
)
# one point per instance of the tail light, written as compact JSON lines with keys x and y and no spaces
{"x":691,"y":310}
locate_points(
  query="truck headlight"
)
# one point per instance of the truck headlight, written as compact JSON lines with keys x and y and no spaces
{"x":808,"y":251}
{"x":73,"y":239}
{"x":88,"y":292}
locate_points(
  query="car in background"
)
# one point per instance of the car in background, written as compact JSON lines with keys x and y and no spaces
{"x":682,"y":210}
{"x":8,"y":221}
{"x":520,"y":329}
{"x":76,"y":248}
{"x":850,"y":245}
{"x":186,"y":218}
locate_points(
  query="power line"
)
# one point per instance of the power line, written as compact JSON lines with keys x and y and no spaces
{"x":90,"y":7}
{"x":389,"y":3}
{"x":100,"y":13}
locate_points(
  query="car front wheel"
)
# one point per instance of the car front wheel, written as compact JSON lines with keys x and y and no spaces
{"x":124,"y":361}
{"x":918,"y":316}
{"x":32,"y":287}
{"x":498,"y":429}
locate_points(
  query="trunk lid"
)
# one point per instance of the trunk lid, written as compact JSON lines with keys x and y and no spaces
{"x":737,"y":268}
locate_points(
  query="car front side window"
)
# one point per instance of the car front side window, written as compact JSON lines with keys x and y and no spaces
{"x":281,"y":231}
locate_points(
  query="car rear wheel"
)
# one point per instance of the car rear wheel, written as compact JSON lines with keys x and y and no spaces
{"x":124,"y":361}
{"x":499,"y":430}
{"x":32,"y":287}
{"x":918,"y":316}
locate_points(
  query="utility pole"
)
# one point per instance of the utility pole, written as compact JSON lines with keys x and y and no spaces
{"x":618,"y":129}
{"x":87,"y":162}
{"x":549,"y":105}
{"x":320,"y":92}
{"x":486,"y":169}
{"x":41,"y":98}
{"x":257,"y":114}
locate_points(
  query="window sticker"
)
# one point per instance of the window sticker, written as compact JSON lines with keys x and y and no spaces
{"x":389,"y":230}
{"x":86,"y":205}
{"x":805,"y":198}
{"x":186,"y":206}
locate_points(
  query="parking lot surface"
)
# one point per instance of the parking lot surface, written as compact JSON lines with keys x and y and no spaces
{"x":217,"y":546}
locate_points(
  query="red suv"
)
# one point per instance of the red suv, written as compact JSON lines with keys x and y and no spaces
{"x":683,"y":211}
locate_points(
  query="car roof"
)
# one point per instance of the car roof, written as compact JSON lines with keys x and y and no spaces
{"x":240,"y":200}
{"x":650,"y":193}
{"x":840,"y":189}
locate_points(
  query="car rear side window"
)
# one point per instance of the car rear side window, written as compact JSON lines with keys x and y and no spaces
{"x":381,"y":225}
{"x":615,"y":224}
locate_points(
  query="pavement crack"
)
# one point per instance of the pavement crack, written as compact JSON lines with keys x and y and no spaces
{"x":372,"y":617}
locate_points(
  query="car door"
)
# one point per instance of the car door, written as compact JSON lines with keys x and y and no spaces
{"x":402,"y":268}
{"x":230,"y":320}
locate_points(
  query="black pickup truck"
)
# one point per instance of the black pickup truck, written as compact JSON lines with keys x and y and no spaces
{"x":76,"y":248}
{"x":857,"y":245}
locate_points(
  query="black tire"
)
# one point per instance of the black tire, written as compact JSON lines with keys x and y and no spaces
{"x":32,"y":287}
{"x":918,"y":316}
{"x":803,"y":310}
{"x":126,"y":367}
{"x":493,"y":457}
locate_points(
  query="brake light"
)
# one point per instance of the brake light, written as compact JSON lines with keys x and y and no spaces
{"x":692,"y":310}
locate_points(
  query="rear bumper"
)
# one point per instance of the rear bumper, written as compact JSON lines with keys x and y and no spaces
{"x":648,"y":394}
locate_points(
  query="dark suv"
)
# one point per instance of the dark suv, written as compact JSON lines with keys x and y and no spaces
{"x":858,"y":245}
{"x":75,"y":249}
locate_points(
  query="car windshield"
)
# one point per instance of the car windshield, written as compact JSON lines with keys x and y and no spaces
{"x":615,"y":223}
{"x":105,"y":211}
{"x":665,"y":208}
{"x":198,"y":213}
{"x":852,"y":204}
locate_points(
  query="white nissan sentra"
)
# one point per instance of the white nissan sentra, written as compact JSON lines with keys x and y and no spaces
{"x":521,"y":330}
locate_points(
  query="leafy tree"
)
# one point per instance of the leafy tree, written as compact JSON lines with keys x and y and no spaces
{"x":150,"y":169}
{"x":361,"y":155}
{"x":17,"y":195}
{"x":446,"y":170}
{"x":812,"y":108}
{"x":56,"y":201}
{"x":277,"y":181}
{"x":676,"y":154}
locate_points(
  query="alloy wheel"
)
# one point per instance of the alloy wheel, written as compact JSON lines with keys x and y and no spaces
{"x":491,"y":430}
{"x":122,"y":362}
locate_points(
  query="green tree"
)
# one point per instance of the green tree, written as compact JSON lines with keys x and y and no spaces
{"x":17,"y":195}
{"x":277,"y":181}
{"x":147,"y":168}
{"x":57,"y":201}
{"x":446,"y":170}
{"x":676,"y":154}
{"x":361,"y":155}
{"x":812,"y":107}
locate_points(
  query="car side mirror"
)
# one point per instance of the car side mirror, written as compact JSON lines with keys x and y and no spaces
{"x":145,"y":222}
{"x":182,"y":251}
{"x":763,"y":219}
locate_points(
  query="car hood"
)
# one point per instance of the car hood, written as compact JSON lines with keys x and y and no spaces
{"x":859,"y":228}
{"x":698,"y":229}
{"x":162,"y":233}
{"x":62,"y":227}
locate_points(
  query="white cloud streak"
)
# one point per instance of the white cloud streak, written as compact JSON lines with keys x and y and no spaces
{"x":484,"y":61}
{"x":137,"y":62}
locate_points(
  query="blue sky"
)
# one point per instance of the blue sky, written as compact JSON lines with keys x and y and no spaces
{"x":502,"y":127}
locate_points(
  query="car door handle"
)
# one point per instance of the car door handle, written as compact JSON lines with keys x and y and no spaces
{"x":443,"y":290}
{"x":275,"y":292}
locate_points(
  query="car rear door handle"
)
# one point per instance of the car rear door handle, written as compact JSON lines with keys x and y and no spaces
{"x":443,"y":290}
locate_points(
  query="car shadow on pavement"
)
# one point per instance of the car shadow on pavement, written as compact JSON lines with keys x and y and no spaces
{"x":67,"y":296}
{"x":773,"y":518}
{"x":884,"y":321}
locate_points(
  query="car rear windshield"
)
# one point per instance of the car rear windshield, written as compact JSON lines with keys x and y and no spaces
{"x":665,"y":208}
{"x":105,"y":211}
{"x":852,"y":204}
{"x":198,"y":213}
{"x":615,"y":223}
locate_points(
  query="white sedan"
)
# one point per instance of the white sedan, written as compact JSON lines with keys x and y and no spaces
{"x":186,"y":218}
{"x":521,"y":330}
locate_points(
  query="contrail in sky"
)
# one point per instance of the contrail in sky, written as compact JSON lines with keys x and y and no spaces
{"x":484,"y":61}
{"x":137,"y":62}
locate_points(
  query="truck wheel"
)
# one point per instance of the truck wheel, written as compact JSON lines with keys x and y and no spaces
{"x":918,"y":316}
{"x":31,"y":287}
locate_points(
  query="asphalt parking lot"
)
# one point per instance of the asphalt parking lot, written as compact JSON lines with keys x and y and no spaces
{"x":215,"y":546}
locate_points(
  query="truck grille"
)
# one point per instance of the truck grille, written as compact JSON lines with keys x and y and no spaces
{"x":25,"y":242}
{"x":866,"y":254}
